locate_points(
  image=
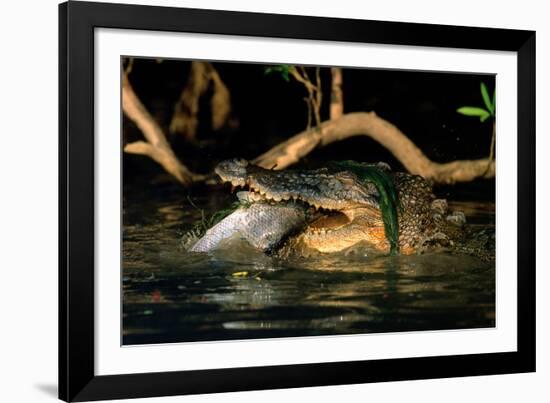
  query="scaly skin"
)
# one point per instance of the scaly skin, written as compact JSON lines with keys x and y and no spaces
{"x":350,"y":211}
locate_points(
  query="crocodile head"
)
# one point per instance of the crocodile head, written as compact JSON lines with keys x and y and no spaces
{"x":322,"y":189}
{"x":346,"y":210}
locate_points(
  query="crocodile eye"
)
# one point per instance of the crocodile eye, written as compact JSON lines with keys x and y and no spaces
{"x":241,"y":162}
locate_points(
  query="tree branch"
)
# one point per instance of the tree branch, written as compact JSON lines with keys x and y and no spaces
{"x":336,"y":96}
{"x":156,"y":147}
{"x":185,"y":120}
{"x":385,"y":133}
{"x":314,"y":91}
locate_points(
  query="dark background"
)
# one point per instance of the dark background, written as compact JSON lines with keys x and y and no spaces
{"x":269,"y":110}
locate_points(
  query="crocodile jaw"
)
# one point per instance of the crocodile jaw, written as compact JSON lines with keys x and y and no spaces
{"x":328,"y":235}
{"x":348,"y":213}
{"x":320,"y":189}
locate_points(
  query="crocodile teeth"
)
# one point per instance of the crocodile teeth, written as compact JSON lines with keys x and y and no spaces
{"x":237,"y":182}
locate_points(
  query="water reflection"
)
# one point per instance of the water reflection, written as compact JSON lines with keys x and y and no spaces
{"x":239,"y":293}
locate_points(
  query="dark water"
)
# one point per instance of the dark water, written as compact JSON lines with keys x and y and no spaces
{"x":173,"y":296}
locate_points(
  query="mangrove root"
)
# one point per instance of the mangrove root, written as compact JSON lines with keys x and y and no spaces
{"x":156,"y":146}
{"x":185,"y":120}
{"x":385,"y":133}
{"x":336,"y":95}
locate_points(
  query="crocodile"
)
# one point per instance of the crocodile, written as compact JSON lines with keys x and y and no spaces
{"x":340,"y":209}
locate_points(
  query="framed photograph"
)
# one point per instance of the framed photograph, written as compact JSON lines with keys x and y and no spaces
{"x":259,"y":201}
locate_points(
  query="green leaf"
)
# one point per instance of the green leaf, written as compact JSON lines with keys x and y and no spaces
{"x":484,"y":117}
{"x":282,"y":69}
{"x":285,"y":76}
{"x":494,"y":101}
{"x":485,"y":95}
{"x":472,"y":111}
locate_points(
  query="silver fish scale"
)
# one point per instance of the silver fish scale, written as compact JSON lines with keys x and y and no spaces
{"x":262,"y":225}
{"x":222,"y":230}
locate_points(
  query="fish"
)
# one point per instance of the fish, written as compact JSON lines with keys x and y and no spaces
{"x":265,"y":226}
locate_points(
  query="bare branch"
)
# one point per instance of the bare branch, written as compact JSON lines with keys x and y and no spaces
{"x":309,"y":107}
{"x":385,"y":133}
{"x":156,"y":147}
{"x":129,"y":66}
{"x":336,"y":96}
{"x":302,"y":77}
{"x":185,"y":119}
{"x":220,"y":102}
{"x":317,"y":97}
{"x":139,"y":147}
{"x":314,"y":91}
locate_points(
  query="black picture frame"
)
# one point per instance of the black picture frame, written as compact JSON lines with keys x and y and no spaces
{"x":77,"y":21}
